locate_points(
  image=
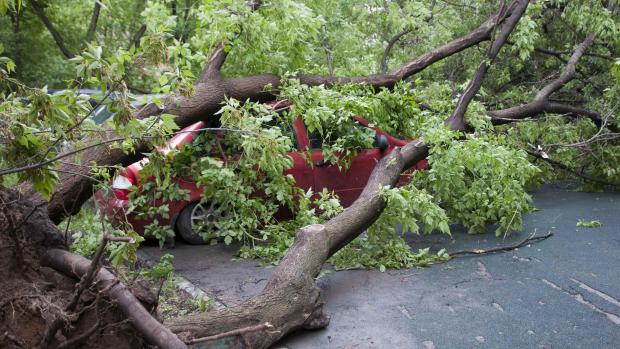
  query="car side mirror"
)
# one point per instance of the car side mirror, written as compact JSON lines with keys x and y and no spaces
{"x":381,"y":142}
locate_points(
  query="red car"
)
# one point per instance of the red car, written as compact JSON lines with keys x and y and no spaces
{"x":184,"y":215}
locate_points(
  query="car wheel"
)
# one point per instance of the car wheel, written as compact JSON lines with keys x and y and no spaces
{"x":199,"y":217}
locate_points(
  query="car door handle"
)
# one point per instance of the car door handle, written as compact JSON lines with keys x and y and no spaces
{"x":322,"y":163}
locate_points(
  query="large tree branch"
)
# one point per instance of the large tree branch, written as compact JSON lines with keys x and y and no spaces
{"x":214,"y":64}
{"x":478,"y":35}
{"x":569,"y":71}
{"x":514,"y":13}
{"x":290,"y":300}
{"x":50,"y":27}
{"x":536,"y":108}
{"x":541,"y":103}
{"x":388,"y":48}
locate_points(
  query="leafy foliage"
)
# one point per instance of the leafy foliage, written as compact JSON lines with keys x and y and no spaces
{"x":475,"y":180}
{"x":589,"y":224}
{"x":480,"y":181}
{"x":86,"y":231}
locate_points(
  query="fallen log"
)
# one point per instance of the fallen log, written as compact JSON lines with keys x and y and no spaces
{"x":290,"y":300}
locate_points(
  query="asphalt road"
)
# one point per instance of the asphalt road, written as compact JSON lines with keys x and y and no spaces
{"x":563,"y":292}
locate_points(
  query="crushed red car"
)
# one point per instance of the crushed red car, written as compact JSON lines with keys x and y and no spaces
{"x":315,"y":174}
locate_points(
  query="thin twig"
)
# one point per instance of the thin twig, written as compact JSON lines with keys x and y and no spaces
{"x":530,"y":239}
{"x":239,"y":331}
{"x":222,"y":153}
{"x":597,"y":136}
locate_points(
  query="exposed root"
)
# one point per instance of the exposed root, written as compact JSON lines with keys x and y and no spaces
{"x":34,"y":296}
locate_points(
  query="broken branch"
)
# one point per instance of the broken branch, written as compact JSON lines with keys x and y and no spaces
{"x":568,"y":73}
{"x":514,"y":13}
{"x":240,"y":331}
{"x":530,"y":239}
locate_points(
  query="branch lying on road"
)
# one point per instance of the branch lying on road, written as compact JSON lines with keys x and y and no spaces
{"x":528,"y":240}
{"x":237,"y":332}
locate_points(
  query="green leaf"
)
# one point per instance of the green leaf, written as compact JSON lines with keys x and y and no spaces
{"x":589,"y":224}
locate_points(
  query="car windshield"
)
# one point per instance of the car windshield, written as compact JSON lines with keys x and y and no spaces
{"x":206,"y":143}
{"x":317,"y":141}
{"x":286,"y":127}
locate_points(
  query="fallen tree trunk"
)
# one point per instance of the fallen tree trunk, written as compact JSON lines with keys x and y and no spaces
{"x":290,"y":300}
{"x":141,"y":319}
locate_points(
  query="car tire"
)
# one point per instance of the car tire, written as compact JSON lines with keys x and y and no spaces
{"x":188,"y":218}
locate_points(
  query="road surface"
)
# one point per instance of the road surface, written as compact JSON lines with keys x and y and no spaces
{"x":563,"y":292}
